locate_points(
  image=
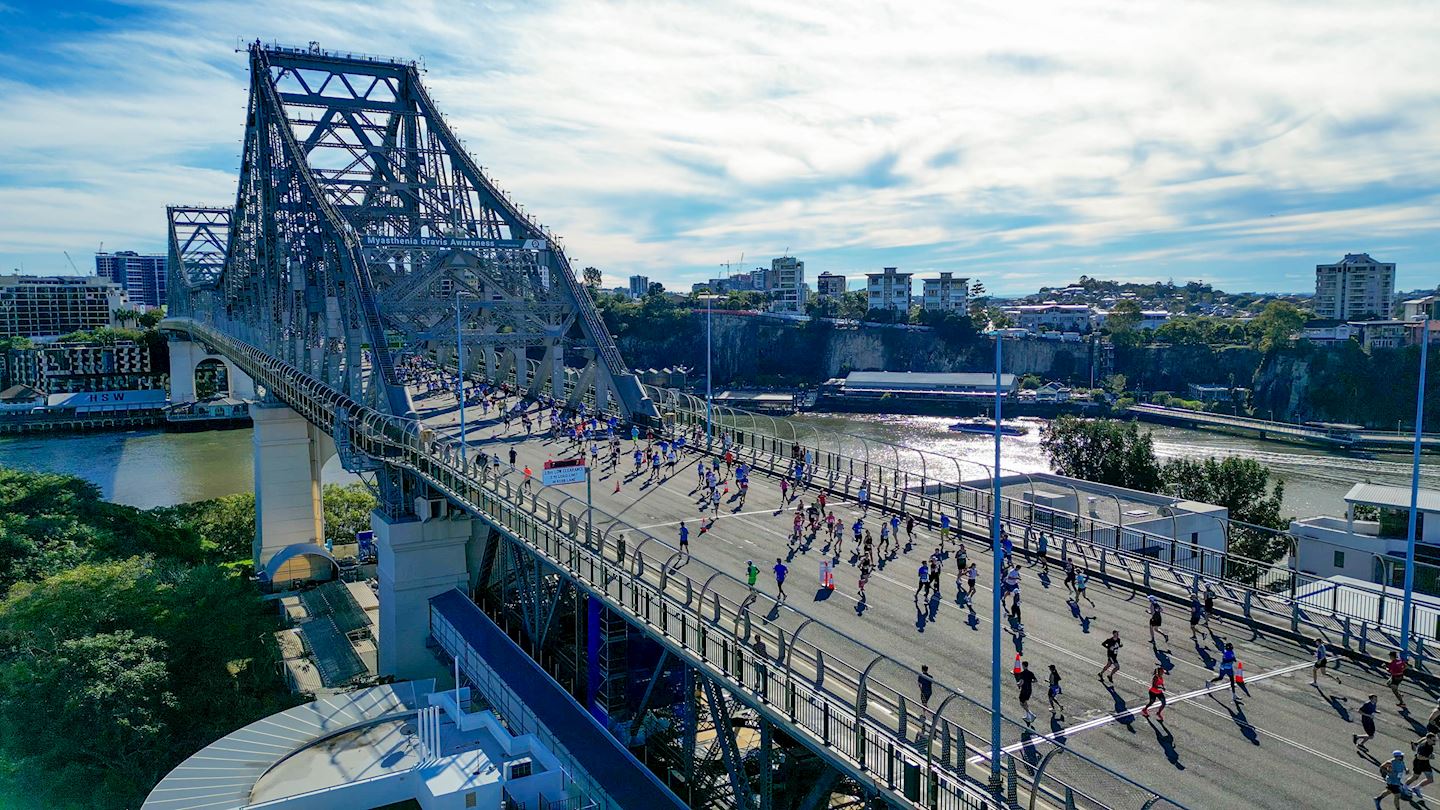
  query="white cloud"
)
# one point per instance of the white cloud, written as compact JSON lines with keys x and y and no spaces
{"x":667,"y":138}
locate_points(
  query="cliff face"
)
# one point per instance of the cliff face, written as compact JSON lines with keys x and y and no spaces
{"x":1172,"y":368}
{"x":1345,"y":384}
{"x":761,"y":351}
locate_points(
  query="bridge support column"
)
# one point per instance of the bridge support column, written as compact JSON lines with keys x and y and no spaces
{"x":417,"y":560}
{"x":522,"y":369}
{"x":287,"y":481}
{"x":186,"y":356}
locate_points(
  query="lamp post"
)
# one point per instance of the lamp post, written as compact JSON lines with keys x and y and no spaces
{"x":1414,"y":495}
{"x":995,"y":589}
{"x":460,"y":375}
{"x":709,"y":319}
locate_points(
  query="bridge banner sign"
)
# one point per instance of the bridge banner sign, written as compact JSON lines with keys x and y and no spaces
{"x":564,"y":471}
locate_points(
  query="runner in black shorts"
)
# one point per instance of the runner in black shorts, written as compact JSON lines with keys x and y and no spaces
{"x":1421,"y":768}
{"x":1112,"y":647}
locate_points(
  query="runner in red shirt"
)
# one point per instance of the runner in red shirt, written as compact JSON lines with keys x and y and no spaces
{"x":1396,"y":670}
{"x":1157,"y":694}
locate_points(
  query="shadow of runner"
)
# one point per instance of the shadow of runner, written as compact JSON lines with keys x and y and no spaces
{"x":1167,"y":743}
{"x":1337,"y":702}
{"x":1237,"y":715}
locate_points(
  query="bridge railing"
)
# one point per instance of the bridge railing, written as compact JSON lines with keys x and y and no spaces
{"x":1273,"y":593}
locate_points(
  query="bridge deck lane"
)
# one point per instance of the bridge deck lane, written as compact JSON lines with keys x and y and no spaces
{"x":1286,"y":745}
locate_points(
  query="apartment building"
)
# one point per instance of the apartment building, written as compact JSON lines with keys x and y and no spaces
{"x":1355,"y":287}
{"x":888,"y":289}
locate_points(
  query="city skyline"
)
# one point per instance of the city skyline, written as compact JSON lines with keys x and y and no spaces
{"x":968,"y":140}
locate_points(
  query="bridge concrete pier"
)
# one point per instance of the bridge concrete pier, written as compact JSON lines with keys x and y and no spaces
{"x":289,"y":454}
{"x":185,"y":359}
{"x":418,"y":559}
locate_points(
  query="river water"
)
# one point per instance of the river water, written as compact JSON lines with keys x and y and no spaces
{"x":148,"y":468}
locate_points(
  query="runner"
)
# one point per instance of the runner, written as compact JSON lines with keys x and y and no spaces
{"x":1026,"y":679}
{"x":909,"y":527}
{"x":1157,"y":693}
{"x":971,"y":576}
{"x":1155,"y":617}
{"x":1015,"y":612}
{"x":1209,"y":604}
{"x":1082,"y":579}
{"x":863,"y":497}
{"x":528,"y":478}
{"x":1112,"y":647}
{"x":1069,"y":575}
{"x":927,"y":686}
{"x":895,"y":528}
{"x":1227,"y":670}
{"x":1396,"y":670}
{"x":936,"y":563}
{"x":944,"y":529}
{"x":780,"y":572}
{"x":1054,"y":693}
{"x":784,"y":491}
{"x":1197,"y":615}
{"x":1322,"y":663}
{"x":924,"y":584}
{"x":1367,"y":722}
{"x":1394,"y":773}
{"x":684,"y":539}
{"x":865,"y":565}
{"x":1043,"y":551}
{"x":752,"y":572}
{"x":1424,"y":749}
{"x":512,"y":457}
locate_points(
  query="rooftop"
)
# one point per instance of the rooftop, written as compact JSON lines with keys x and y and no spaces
{"x":1393,"y":496}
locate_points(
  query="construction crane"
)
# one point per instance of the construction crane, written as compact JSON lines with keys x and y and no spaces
{"x":72,"y":262}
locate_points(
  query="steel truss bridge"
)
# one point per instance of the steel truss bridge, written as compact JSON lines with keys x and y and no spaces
{"x":362,"y":233}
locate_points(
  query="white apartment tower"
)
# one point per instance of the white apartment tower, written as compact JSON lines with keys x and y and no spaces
{"x":888,"y":289}
{"x":946,"y":294}
{"x":1354,"y":287}
{"x":787,"y":284}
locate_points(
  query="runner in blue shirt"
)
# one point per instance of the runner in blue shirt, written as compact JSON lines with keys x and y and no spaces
{"x":684,"y":539}
{"x":780,"y":572}
{"x":944,"y":529}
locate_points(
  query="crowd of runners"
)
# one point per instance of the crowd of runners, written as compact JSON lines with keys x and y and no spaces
{"x":870,"y":537}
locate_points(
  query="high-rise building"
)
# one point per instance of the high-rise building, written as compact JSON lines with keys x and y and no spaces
{"x":1357,"y":286}
{"x":830,"y":285}
{"x":49,"y":306}
{"x":888,"y":289}
{"x":141,"y":275}
{"x":946,"y":294}
{"x":639,"y":285}
{"x":787,"y":284}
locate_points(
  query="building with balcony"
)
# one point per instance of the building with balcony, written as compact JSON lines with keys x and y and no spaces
{"x":58,"y":368}
{"x":1420,"y":308}
{"x":141,"y":275}
{"x":945,"y":294}
{"x":888,"y":290}
{"x":49,"y":306}
{"x":786,"y":284}
{"x":1387,"y":334}
{"x":1052,"y":316}
{"x":830,"y":285}
{"x":1369,"y":548}
{"x":1355,"y":287}
{"x":639,"y":286}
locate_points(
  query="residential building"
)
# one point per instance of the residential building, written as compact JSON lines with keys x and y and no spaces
{"x":1386,"y":334}
{"x":49,"y":306}
{"x":1218,"y":393}
{"x":1052,"y":316}
{"x":787,"y":284}
{"x":58,"y":368}
{"x":141,"y":275}
{"x":1153,"y":318}
{"x":1348,"y":546}
{"x":830,"y":285}
{"x":1327,"y":331}
{"x":1355,"y":287}
{"x":1420,"y":308}
{"x":639,"y":285}
{"x":1414,"y":328}
{"x":918,"y":385}
{"x":1052,"y":392}
{"x":888,"y":289}
{"x":945,"y":294}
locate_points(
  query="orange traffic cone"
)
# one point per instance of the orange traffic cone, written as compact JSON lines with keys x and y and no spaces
{"x":1017,"y":664}
{"x":1239,"y":672}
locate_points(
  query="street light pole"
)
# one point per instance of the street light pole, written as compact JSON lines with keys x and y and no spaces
{"x":995,"y":590}
{"x":709,"y":319}
{"x":1414,"y":495}
{"x":460,"y":375}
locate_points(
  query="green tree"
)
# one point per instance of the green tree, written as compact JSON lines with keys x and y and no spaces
{"x":347,"y":511}
{"x":1276,"y":325}
{"x":1106,"y":451}
{"x":591,"y":276}
{"x":853,"y":305}
{"x":1124,"y":316}
{"x":1243,"y":487}
{"x":151,"y":318}
{"x":126,"y":315}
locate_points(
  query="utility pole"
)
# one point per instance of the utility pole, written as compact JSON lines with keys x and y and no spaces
{"x":460,"y":374}
{"x":995,"y":589}
{"x":1414,"y":495}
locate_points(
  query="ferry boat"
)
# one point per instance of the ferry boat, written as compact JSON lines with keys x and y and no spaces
{"x":987,"y":426}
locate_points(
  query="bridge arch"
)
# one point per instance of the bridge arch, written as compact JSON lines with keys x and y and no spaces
{"x":197,"y":373}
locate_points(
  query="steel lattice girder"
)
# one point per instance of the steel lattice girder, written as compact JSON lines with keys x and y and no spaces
{"x":358,"y":223}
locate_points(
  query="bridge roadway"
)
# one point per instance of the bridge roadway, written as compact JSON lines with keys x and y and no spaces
{"x":1285,"y":746}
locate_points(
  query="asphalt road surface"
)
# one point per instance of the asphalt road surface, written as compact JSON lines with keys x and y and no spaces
{"x":1285,"y":744}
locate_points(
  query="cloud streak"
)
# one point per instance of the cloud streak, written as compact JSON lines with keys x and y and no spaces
{"x":1029,"y":144}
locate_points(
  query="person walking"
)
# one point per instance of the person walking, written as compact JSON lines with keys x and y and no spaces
{"x":1396,"y":670}
{"x":1394,"y":773}
{"x":752,"y":573}
{"x":1322,"y":663}
{"x":1026,"y":679}
{"x":1157,"y":694}
{"x":1054,"y":693}
{"x":927,"y":686}
{"x":1422,"y":770}
{"x":1112,"y":647}
{"x":780,"y":572}
{"x":684,"y":539}
{"x":1367,"y":723}
{"x":1227,"y":670}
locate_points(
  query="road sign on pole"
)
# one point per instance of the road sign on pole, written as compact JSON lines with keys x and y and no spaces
{"x":564,"y":471}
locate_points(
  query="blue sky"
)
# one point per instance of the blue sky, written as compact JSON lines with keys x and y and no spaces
{"x":1023,"y":144}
